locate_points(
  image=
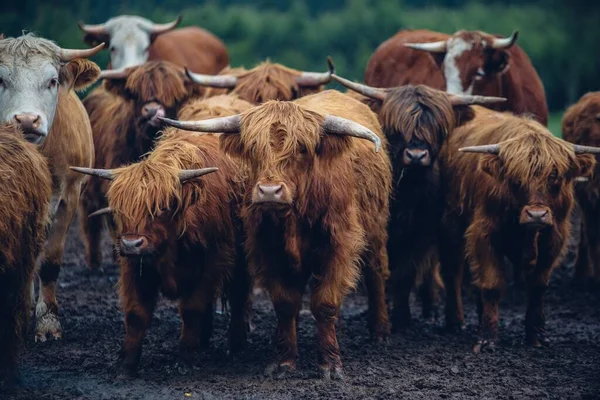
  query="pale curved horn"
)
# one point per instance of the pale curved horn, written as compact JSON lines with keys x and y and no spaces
{"x":343,"y":126}
{"x":157,"y":29}
{"x":465,"y":100}
{"x":229,"y":124}
{"x":374,"y":93}
{"x":433,"y":47}
{"x":486,"y":148}
{"x":316,"y":78}
{"x":71,"y":54}
{"x":215,"y":81}
{"x":581,"y":179}
{"x":99,"y":29}
{"x":121,"y":73}
{"x":505,"y":43}
{"x":101,"y":173}
{"x":578,"y":149}
{"x":187,"y":174}
{"x":102,"y":211}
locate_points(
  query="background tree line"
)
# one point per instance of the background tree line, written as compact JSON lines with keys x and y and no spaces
{"x":561,"y":37}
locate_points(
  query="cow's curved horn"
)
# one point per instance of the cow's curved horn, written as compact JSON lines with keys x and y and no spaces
{"x":579,"y":149}
{"x":465,"y":100}
{"x":99,"y":29}
{"x":121,"y":73}
{"x":102,"y":211}
{"x":374,"y":93}
{"x":432,"y":47}
{"x":229,"y":124}
{"x":71,"y":54}
{"x":486,"y":148}
{"x":216,"y":81}
{"x":505,"y":43}
{"x":598,"y":116}
{"x":580,"y":179}
{"x":316,"y":78}
{"x":187,"y":174}
{"x":343,"y":126}
{"x":157,"y":29}
{"x":101,"y":173}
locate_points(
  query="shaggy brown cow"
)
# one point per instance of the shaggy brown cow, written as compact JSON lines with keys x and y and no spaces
{"x":513,"y":201}
{"x":134,"y":40}
{"x":581,"y":125}
{"x":181,"y":236}
{"x":266,"y":81}
{"x":467,"y":62}
{"x":125,"y":125}
{"x":25,"y":191}
{"x":38,"y":80}
{"x":416,"y":121}
{"x":316,"y":206}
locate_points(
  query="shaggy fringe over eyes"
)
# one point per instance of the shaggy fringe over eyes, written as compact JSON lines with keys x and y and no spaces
{"x":217,"y":106}
{"x":267,"y":82}
{"x":417,"y":112}
{"x":30,"y":45}
{"x":158,"y":80}
{"x":284,"y":126}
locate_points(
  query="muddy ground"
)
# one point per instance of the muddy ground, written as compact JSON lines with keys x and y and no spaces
{"x":421,"y":363}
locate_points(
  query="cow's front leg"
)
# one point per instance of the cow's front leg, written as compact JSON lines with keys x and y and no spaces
{"x":325,"y":306}
{"x":46,"y":311}
{"x":138,"y":296}
{"x":535,"y":320}
{"x":489,"y":300}
{"x":287,"y":302}
{"x":197,"y":315}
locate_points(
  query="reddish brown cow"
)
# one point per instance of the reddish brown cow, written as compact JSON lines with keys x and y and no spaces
{"x":266,"y":81}
{"x":315,"y":206}
{"x":581,"y":125}
{"x":125,"y":125}
{"x":416,"y":121}
{"x":134,"y":40}
{"x":513,"y":201}
{"x":25,"y":191}
{"x":181,"y":236}
{"x":467,"y":62}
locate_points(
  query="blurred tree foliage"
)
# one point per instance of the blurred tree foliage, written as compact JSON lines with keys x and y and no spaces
{"x":562,"y":38}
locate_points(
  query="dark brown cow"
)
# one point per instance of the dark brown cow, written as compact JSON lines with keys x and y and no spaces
{"x":125,"y":124}
{"x":467,"y":62}
{"x":181,"y":236}
{"x":513,"y":201}
{"x":416,"y":121}
{"x":581,"y":125}
{"x":25,"y":191}
{"x":315,"y":206}
{"x":266,"y":81}
{"x":39,"y":80}
{"x":134,"y":40}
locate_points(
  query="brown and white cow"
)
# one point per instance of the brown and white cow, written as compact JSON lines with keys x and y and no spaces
{"x":315,"y":206}
{"x":25,"y":187}
{"x":509,"y":193}
{"x":38,"y":80}
{"x":417,"y":121}
{"x":125,"y":126}
{"x":581,"y":125}
{"x":133,"y":40}
{"x":267,"y":81}
{"x":467,"y":62}
{"x":180,"y":235}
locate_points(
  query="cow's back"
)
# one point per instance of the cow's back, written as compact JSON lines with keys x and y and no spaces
{"x":394,"y":64}
{"x":192,"y":47}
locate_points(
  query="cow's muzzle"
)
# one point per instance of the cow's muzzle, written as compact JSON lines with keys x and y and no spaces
{"x":31,"y":124}
{"x":536,"y":216}
{"x":151,"y":112}
{"x":133,"y":245}
{"x":417,"y":157}
{"x":271,"y":193}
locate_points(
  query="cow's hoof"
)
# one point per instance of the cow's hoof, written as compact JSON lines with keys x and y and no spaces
{"x":47,"y":326}
{"x":484,"y":345}
{"x":538,"y":342}
{"x":329,"y":373}
{"x":280,"y":370}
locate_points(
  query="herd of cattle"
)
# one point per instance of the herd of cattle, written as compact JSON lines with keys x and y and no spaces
{"x":440,"y":161}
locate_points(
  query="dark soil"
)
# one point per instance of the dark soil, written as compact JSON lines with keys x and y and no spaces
{"x":422,"y":362}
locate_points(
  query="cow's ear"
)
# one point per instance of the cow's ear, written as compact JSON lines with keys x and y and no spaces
{"x":462,"y":115}
{"x":496,"y":62}
{"x":79,"y":74}
{"x":231,"y":144}
{"x":491,"y":164}
{"x":93,"y":40}
{"x":584,"y":165}
{"x":117,"y":87}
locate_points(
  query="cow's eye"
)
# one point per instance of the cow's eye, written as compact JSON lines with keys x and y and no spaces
{"x":112,"y":49}
{"x":53,"y":83}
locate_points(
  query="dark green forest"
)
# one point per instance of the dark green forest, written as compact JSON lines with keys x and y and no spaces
{"x":561,"y":37}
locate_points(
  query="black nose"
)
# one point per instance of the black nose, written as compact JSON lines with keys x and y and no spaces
{"x":539,"y":215}
{"x":133,"y":245}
